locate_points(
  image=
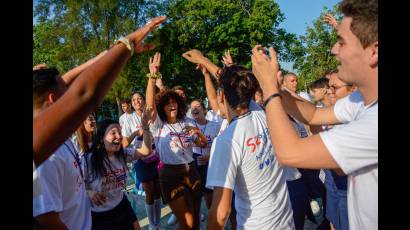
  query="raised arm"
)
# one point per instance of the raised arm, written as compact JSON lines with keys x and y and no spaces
{"x":227,"y":59}
{"x":146,"y":147}
{"x":196,"y":57}
{"x":329,"y":19}
{"x":126,"y":141}
{"x":305,"y":111}
{"x":210,"y":89}
{"x":154,"y":64}
{"x":291,"y":150}
{"x":85,"y":93}
{"x":71,"y":75}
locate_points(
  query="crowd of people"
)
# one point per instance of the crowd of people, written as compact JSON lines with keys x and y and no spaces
{"x":260,"y":154}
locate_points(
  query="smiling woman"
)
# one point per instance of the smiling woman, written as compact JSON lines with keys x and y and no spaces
{"x":106,"y":175}
{"x":175,"y":136}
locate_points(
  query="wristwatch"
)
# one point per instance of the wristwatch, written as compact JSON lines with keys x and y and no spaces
{"x":127,"y":43}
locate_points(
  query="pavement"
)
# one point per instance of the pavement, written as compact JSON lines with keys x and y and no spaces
{"x":138,"y":203}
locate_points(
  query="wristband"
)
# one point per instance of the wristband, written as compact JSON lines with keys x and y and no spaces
{"x":270,"y":98}
{"x":127,"y":43}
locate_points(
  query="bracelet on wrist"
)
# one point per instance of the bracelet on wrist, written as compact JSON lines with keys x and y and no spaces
{"x":154,"y":76}
{"x":127,"y":43}
{"x":270,"y":98}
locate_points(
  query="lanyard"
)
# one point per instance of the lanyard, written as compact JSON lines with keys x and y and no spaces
{"x":239,"y":117}
{"x":203,"y":132}
{"x":179,"y":138}
{"x":76,"y":158}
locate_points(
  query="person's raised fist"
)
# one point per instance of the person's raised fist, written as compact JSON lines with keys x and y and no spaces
{"x":195,"y":56}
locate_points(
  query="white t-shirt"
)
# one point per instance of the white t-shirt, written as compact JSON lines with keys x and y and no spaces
{"x":36,"y":182}
{"x":173,"y":145}
{"x":291,"y":173}
{"x":130,"y":123}
{"x":305,"y":95}
{"x":243,"y":159}
{"x":77,"y":147}
{"x":210,"y":130}
{"x":63,"y":189}
{"x":212,"y":116}
{"x":113,"y":181}
{"x":253,"y":106}
{"x":354,"y":147}
{"x":224,"y":125}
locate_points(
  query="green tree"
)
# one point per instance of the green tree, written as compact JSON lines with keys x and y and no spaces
{"x":214,"y":26}
{"x":80,"y":30}
{"x":45,"y":45}
{"x":314,"y":58}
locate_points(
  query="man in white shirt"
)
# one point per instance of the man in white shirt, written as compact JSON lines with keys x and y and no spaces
{"x":63,"y":191}
{"x":352,"y":147}
{"x":243,"y":158}
{"x":62,"y":202}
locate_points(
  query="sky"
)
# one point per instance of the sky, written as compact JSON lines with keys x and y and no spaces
{"x":299,"y":14}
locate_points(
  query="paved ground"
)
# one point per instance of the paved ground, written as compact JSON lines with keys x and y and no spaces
{"x":138,"y":202}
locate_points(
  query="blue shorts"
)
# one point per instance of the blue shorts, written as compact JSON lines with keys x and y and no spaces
{"x":145,"y":172}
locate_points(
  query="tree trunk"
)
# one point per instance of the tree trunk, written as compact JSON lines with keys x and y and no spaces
{"x":118,"y":106}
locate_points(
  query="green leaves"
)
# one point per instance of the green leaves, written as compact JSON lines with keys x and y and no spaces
{"x":70,"y":32}
{"x":313,"y":56}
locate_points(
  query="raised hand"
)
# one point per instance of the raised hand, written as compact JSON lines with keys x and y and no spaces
{"x":138,"y":36}
{"x":202,"y":68}
{"x":265,"y":69}
{"x":329,"y":19}
{"x":154,"y":63}
{"x":227,"y":59}
{"x":195,"y":56}
{"x":147,"y":115}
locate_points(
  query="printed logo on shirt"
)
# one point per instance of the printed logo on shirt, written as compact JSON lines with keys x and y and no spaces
{"x":263,"y":152}
{"x":114,"y":180}
{"x":177,"y":138}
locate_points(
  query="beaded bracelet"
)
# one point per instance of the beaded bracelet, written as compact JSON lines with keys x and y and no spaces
{"x":154,"y":76}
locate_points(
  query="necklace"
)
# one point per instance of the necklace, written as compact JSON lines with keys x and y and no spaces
{"x":240,"y":116}
{"x":176,"y":133}
{"x":76,"y":158}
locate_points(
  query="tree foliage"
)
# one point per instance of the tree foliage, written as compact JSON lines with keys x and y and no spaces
{"x":69,"y":32}
{"x":214,"y":26}
{"x":79,"y":30}
{"x":315,"y":58}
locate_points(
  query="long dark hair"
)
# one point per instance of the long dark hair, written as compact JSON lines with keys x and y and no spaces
{"x":163,"y":98}
{"x":99,"y":153}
